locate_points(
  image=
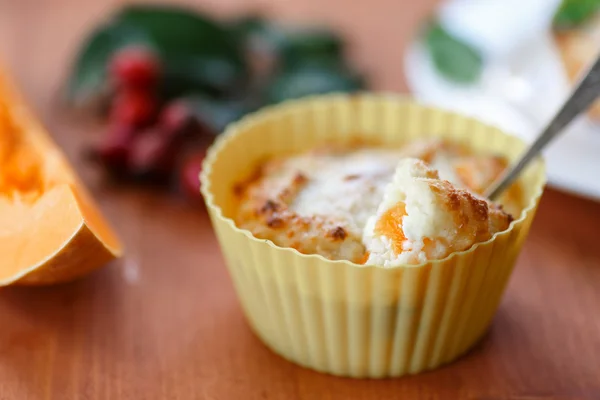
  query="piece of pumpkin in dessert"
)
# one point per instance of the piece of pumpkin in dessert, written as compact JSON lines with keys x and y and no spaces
{"x":423,"y":217}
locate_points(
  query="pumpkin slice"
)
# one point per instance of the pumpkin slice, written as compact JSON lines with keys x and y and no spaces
{"x":50,"y":229}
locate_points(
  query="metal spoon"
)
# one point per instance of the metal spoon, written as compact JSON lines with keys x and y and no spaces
{"x":582,"y":97}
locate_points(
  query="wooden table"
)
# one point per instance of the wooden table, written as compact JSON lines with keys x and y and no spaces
{"x":164,"y":323}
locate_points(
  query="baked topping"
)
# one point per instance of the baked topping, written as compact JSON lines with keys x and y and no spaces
{"x":320,"y":202}
{"x":425,"y":218}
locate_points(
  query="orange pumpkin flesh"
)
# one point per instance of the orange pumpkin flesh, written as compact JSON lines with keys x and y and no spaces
{"x":50,"y":229}
{"x":390,"y":226}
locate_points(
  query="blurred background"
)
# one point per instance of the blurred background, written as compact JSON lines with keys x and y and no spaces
{"x":215,"y":60}
{"x":79,"y":63}
{"x":51,"y":31}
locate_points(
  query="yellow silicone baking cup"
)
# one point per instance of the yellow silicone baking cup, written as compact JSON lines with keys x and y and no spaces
{"x":348,"y":319}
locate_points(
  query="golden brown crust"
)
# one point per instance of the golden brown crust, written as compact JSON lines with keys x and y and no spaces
{"x":309,"y":235}
{"x":268,"y":202}
{"x":477,"y":219}
{"x":338,"y":233}
{"x":265,"y":211}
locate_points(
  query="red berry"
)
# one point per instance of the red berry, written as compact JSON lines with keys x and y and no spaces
{"x":113,"y":151}
{"x":153,"y":154}
{"x":134,"y":66}
{"x":133,"y":107}
{"x":176,"y":117}
{"x":190,"y":176}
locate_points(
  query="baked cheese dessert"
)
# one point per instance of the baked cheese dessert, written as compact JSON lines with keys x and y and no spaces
{"x":329,"y":200}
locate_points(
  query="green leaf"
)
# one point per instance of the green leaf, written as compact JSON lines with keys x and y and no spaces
{"x":290,"y":44}
{"x":454,"y":59}
{"x":197,"y":54}
{"x":89,"y":71}
{"x":213,"y":76}
{"x":573,"y":13}
{"x":214,"y":114}
{"x":311,"y":47}
{"x":309,"y":80}
{"x":183,"y":37}
{"x":247,"y":25}
{"x":258,"y":34}
{"x":293,"y":46}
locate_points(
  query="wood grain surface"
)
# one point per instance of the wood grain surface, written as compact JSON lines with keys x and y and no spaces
{"x":164,"y":323}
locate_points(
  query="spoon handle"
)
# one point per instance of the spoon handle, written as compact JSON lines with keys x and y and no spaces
{"x":586,"y":91}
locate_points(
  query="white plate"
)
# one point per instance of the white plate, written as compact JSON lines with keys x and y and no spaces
{"x":519,"y":97}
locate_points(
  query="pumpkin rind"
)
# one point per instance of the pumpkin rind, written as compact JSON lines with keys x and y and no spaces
{"x":51,"y":230}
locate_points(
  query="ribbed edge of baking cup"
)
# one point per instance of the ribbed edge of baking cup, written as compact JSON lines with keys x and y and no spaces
{"x":348,"y":319}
